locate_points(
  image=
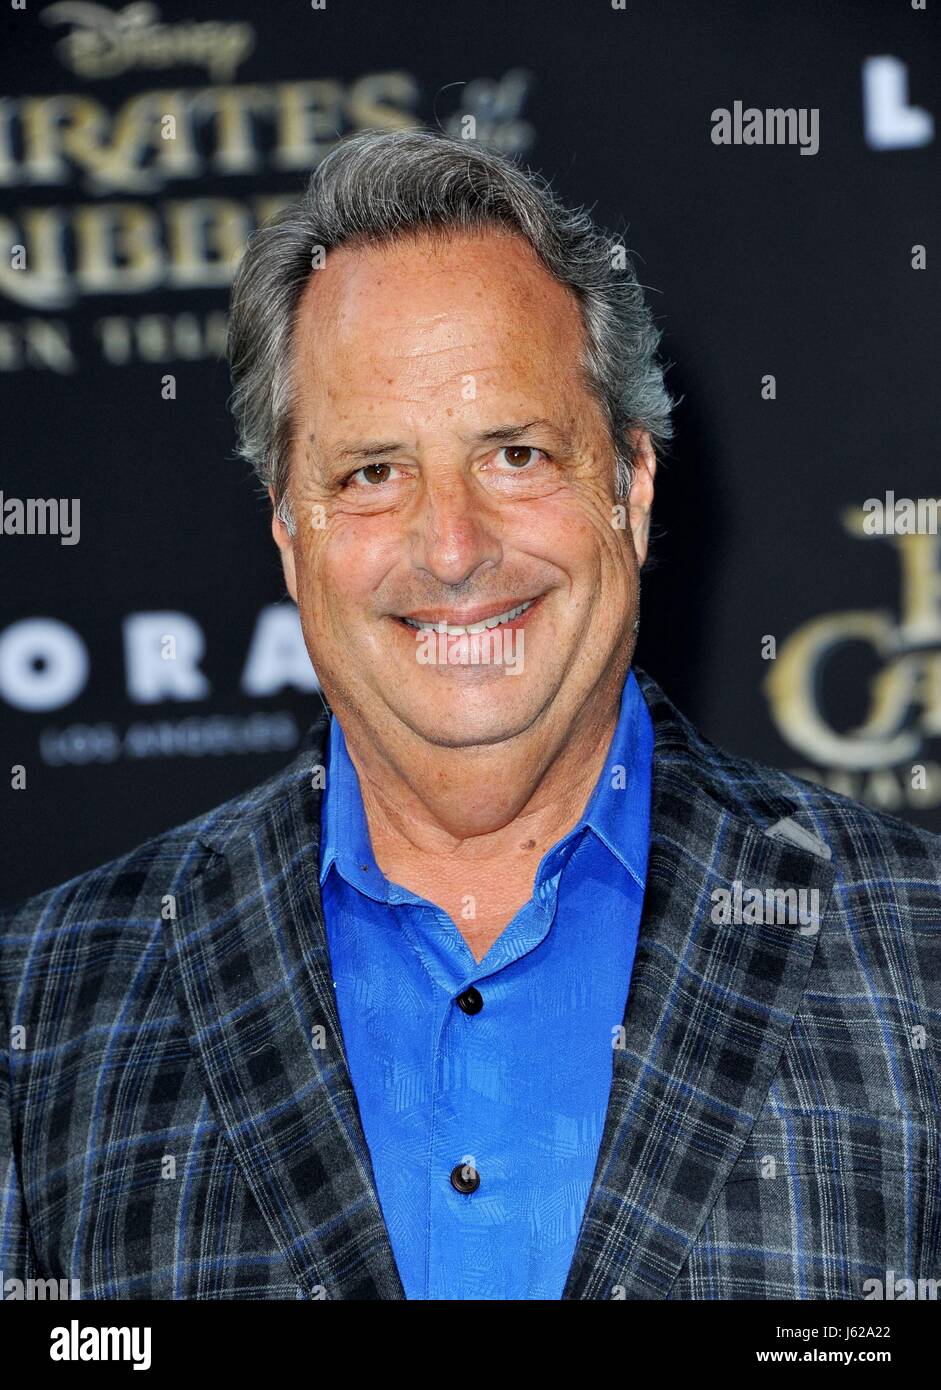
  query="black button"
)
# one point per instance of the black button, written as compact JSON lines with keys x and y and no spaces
{"x":465,"y":1179}
{"x":471,"y":1001}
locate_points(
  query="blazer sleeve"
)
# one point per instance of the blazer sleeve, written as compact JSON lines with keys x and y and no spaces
{"x":17,"y":1256}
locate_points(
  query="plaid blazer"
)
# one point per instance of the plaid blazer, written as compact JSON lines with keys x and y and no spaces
{"x":177,"y":1119}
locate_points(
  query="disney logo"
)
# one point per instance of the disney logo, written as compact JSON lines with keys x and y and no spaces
{"x":103,"y":42}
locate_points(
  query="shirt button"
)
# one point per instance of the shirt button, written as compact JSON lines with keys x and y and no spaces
{"x":471,"y":1001}
{"x":465,"y":1179}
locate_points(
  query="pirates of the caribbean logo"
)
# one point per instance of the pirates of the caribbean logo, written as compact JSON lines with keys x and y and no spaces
{"x":880,"y":760}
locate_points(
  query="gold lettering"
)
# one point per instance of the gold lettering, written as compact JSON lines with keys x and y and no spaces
{"x":46,"y":282}
{"x":310,"y":115}
{"x":125,"y":149}
{"x":920,"y":557}
{"x":205,"y":236}
{"x":367,"y":108}
{"x":118,"y":248}
{"x":48,"y":123}
{"x":234,"y":109}
{"x":921,"y":589}
{"x":908,"y":682}
{"x":793,"y":681}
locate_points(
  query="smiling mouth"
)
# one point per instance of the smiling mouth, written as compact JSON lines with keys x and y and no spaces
{"x":456,"y":630}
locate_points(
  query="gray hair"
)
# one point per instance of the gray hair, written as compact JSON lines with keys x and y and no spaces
{"x":378,"y":185}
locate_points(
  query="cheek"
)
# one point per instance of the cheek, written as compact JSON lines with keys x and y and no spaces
{"x":577,"y":533}
{"x":341,"y":567}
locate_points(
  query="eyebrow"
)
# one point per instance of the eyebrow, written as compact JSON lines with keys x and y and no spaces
{"x":505,"y":433}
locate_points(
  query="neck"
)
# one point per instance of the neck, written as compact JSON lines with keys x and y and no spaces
{"x":483,"y":805}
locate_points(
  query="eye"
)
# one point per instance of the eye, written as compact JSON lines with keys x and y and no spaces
{"x":519,"y":456}
{"x":372,"y":474}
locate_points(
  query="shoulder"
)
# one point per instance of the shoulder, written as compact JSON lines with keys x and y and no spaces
{"x":882,"y":927}
{"x":873,"y":853}
{"x":863,"y":841}
{"x":112,"y":917}
{"x":877,"y":958}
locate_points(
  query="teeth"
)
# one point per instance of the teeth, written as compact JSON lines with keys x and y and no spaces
{"x":450,"y":631}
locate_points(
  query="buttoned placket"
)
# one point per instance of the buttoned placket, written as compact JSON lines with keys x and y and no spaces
{"x":452,"y":1176}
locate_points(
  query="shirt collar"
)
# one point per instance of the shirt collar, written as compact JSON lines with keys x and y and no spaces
{"x":618,"y":810}
{"x":344,"y":831}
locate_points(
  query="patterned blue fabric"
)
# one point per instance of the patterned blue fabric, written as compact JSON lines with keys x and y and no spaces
{"x":517,"y":1091}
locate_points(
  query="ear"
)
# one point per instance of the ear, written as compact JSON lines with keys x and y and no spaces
{"x":640,"y":497}
{"x":285,"y":543}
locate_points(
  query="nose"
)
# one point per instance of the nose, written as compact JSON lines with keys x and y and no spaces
{"x":453,"y":531}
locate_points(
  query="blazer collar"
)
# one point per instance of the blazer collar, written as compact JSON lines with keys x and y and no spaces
{"x":708,"y":1012}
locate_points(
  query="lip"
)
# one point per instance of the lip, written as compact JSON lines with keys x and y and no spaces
{"x":469,"y":616}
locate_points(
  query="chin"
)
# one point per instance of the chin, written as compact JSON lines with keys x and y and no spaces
{"x":456,"y":721}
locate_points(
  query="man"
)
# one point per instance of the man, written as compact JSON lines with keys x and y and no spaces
{"x":512,"y":985}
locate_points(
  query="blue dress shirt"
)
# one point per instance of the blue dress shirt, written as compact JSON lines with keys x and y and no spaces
{"x":515,"y":1093}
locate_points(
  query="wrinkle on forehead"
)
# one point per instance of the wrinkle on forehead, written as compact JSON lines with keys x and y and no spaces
{"x":362,"y":291}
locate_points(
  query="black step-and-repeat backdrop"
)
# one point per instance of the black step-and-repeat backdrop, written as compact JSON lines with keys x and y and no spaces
{"x":773,"y":167}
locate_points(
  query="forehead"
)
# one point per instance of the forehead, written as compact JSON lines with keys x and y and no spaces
{"x":422,"y":312}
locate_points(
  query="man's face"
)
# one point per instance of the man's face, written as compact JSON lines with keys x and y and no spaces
{"x":488,"y":484}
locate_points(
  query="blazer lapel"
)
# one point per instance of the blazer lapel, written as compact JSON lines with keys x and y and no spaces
{"x":249,"y":957}
{"x":708,"y":1012}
